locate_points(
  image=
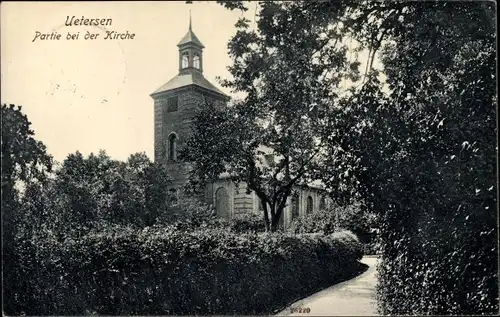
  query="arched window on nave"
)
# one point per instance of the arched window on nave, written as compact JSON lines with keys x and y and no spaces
{"x":222,"y":203}
{"x":309,"y":207}
{"x":295,"y":206}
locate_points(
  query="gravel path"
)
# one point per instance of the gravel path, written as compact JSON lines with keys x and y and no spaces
{"x":355,"y":297}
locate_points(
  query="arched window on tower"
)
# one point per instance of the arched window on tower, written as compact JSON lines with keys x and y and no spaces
{"x":185,"y":60}
{"x":172,"y":147}
{"x":196,"y":61}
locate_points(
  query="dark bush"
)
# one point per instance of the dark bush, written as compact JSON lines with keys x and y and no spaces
{"x":335,"y":218}
{"x":159,"y":272}
{"x":428,"y":160}
{"x":444,"y":269}
{"x":248,"y":223}
{"x":323,"y":221}
{"x":191,"y":214}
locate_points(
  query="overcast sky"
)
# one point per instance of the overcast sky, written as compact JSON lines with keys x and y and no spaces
{"x":88,"y":95}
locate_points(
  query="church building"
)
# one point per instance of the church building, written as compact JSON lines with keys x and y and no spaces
{"x":175,"y":103}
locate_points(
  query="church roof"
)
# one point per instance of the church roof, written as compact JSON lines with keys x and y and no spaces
{"x":190,"y":37}
{"x":186,"y":79}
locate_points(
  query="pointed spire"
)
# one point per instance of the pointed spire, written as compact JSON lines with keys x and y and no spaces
{"x":190,"y":28}
{"x":190,"y":37}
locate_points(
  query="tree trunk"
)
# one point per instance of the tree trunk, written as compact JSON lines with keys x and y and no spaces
{"x":266,"y":216}
{"x":274,"y":227}
{"x":276,"y":207}
{"x":276,"y":220}
{"x":273,"y":218}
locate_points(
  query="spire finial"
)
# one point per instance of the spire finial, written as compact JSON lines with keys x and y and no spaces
{"x":190,"y":20}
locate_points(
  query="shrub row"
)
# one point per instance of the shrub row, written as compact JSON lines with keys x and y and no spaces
{"x":335,"y":218}
{"x":439,"y":271}
{"x":159,"y":272}
{"x":247,"y":223}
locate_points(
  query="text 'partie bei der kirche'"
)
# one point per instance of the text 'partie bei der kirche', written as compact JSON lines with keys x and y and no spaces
{"x":98,"y":30}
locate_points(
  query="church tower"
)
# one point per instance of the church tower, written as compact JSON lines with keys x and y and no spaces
{"x":175,"y":104}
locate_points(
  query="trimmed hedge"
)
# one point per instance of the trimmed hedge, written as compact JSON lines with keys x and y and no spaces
{"x":160,"y":272}
{"x":247,"y":223}
{"x":318,"y":221}
{"x":450,"y":270}
{"x":350,"y":217}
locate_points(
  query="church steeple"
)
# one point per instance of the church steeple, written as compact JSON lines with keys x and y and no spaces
{"x":175,"y":102}
{"x":190,"y":67}
{"x":190,"y":28}
{"x":190,"y":52}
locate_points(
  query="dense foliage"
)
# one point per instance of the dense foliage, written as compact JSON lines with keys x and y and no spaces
{"x":80,"y":196}
{"x":323,"y":221}
{"x":24,"y":161}
{"x":329,"y":220}
{"x":247,"y":223}
{"x":88,"y":194}
{"x":419,"y":149}
{"x":192,"y":214}
{"x":168,"y":271}
{"x":101,"y":236}
{"x":336,"y":218}
{"x":289,"y":76}
{"x":425,"y":158}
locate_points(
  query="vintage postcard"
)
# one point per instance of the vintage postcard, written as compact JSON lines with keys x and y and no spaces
{"x":321,"y":158}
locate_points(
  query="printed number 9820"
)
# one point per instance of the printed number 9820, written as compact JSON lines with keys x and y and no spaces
{"x":300,"y":310}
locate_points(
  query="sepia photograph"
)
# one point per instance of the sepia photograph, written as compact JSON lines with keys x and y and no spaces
{"x":276,"y":158}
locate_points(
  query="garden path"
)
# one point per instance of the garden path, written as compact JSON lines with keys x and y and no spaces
{"x":355,"y":297}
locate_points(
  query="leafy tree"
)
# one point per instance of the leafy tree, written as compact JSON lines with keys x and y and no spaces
{"x":231,"y":5}
{"x":96,"y":192}
{"x":289,"y":70}
{"x":24,"y":160}
{"x":423,"y":155}
{"x":192,"y":214}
